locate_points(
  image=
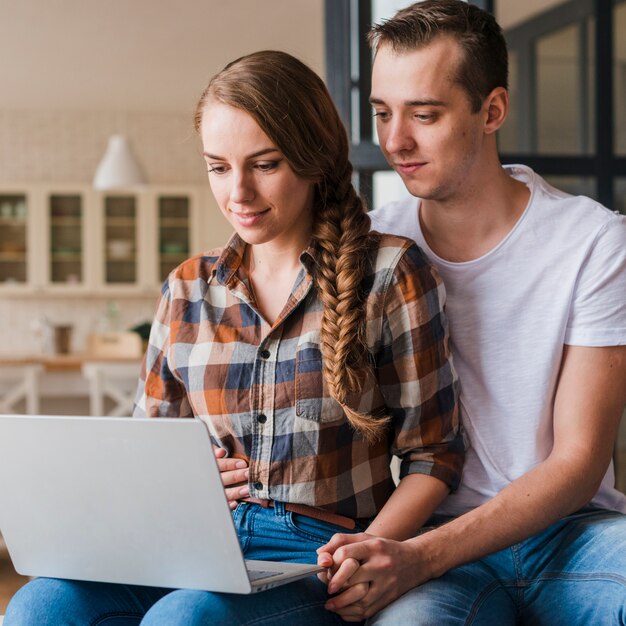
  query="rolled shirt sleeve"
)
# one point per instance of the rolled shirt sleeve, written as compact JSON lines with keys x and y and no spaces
{"x":416,"y":373}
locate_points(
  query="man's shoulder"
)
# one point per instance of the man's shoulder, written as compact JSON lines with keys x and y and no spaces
{"x":397,"y":218}
{"x":561,"y":206}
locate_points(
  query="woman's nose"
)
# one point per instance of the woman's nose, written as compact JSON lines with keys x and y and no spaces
{"x":242,"y":189}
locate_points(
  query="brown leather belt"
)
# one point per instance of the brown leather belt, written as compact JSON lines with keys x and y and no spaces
{"x":309,"y":511}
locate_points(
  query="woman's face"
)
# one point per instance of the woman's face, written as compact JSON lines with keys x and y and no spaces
{"x":252,"y":182}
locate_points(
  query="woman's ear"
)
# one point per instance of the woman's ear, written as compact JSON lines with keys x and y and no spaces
{"x":496,"y":106}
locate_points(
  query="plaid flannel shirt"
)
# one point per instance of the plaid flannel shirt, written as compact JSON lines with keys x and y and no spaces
{"x":261,"y":391}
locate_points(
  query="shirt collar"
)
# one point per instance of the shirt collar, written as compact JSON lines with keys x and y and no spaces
{"x":231,"y":259}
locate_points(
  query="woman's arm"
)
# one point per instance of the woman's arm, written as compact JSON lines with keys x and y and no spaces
{"x":409,"y":507}
{"x":159,"y":392}
{"x":419,"y":385}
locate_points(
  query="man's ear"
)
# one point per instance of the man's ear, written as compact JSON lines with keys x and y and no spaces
{"x":496,"y":107}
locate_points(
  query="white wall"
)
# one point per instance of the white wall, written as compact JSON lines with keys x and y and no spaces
{"x":73,"y":72}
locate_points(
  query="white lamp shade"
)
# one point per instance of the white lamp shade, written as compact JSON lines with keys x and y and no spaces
{"x":119,"y":167}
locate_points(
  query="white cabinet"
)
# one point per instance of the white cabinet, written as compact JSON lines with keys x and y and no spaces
{"x":62,"y":220}
{"x":16,"y":239}
{"x":72,"y":239}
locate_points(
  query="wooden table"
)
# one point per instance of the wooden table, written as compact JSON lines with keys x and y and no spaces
{"x":62,"y":362}
{"x":61,"y":377}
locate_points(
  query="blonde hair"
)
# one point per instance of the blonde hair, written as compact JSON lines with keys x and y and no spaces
{"x":293,"y":107}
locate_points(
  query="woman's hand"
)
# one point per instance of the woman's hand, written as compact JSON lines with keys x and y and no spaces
{"x":367,"y":573}
{"x":234,"y":473}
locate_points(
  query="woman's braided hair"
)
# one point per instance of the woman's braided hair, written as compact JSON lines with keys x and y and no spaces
{"x":293,"y":107}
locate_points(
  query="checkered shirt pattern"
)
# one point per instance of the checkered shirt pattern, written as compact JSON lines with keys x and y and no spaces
{"x":261,"y":391}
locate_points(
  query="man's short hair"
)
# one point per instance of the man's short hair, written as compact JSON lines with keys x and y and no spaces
{"x":485,"y":59}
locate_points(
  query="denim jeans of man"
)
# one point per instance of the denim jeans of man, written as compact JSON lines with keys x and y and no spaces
{"x":267,"y":534}
{"x":571,"y":574}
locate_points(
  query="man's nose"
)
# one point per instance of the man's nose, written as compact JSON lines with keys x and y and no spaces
{"x":397,"y":137}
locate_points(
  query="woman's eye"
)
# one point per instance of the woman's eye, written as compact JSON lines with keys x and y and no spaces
{"x":216,"y":169}
{"x":267,"y":166}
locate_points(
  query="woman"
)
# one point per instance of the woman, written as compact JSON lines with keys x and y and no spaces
{"x":312,"y":348}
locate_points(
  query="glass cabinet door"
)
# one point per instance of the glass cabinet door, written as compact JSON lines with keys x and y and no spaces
{"x":120,"y":237}
{"x":174,"y":231}
{"x":13,"y":238}
{"x":66,"y":239}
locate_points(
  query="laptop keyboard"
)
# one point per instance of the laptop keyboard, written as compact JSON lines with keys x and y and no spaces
{"x":256,"y":574}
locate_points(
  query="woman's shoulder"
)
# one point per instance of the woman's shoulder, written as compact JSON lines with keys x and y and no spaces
{"x":392,"y":249}
{"x":199,"y":267}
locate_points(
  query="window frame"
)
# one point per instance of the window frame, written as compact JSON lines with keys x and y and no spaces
{"x":347,"y":22}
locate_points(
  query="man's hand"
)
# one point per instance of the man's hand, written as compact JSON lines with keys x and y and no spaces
{"x":234,"y":473}
{"x":368,"y":573}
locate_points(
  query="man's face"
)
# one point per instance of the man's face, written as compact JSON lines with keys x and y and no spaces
{"x":425,"y":124}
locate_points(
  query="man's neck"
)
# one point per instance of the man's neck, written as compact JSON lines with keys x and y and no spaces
{"x":471,"y":224}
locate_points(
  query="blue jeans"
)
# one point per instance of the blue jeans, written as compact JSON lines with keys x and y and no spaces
{"x":266,"y":534}
{"x":571,"y":574}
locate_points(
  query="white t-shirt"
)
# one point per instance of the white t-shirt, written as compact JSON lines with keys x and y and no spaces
{"x":559,"y":277}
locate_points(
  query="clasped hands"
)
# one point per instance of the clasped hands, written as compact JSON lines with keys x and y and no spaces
{"x":364,"y":573}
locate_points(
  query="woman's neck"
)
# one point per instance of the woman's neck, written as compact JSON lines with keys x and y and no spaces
{"x":272,"y":272}
{"x":266,"y":260}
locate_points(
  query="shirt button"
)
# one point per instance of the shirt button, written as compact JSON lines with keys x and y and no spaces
{"x":265,"y":354}
{"x":262,"y":418}
{"x":258,"y":486}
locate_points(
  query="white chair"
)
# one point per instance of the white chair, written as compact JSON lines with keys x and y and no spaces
{"x":17,"y":383}
{"x":114,"y":380}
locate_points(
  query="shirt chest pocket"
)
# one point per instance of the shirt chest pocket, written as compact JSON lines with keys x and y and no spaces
{"x":313,"y":400}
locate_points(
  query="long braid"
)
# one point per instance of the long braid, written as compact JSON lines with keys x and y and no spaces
{"x":293,"y":107}
{"x":344,"y":244}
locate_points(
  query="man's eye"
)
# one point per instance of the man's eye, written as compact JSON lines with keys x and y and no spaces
{"x":381,"y":115}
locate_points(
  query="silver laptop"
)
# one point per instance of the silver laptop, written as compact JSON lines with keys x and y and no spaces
{"x":123,"y":500}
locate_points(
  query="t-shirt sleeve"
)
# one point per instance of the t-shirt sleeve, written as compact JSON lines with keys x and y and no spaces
{"x":598,"y":312}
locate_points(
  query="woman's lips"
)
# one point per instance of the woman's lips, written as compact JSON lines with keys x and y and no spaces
{"x":249,"y":218}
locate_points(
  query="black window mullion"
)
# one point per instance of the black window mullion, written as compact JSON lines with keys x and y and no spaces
{"x":583,"y":85}
{"x":366,"y":181}
{"x":604,"y":100}
{"x":337,"y":40}
{"x":527,"y":95}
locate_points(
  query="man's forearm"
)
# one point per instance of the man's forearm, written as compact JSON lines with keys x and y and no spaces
{"x":588,"y":406}
{"x":528,"y":505}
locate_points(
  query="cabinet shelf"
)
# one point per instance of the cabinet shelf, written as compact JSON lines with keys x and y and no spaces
{"x":121,"y":221}
{"x":13,"y":221}
{"x":62,"y":222}
{"x":174,"y":222}
{"x":13,"y":257}
{"x":179,"y":256}
{"x":65,"y":257}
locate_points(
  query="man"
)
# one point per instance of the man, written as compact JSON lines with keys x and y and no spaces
{"x":536,"y":283}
